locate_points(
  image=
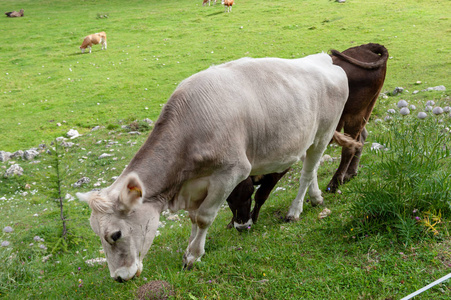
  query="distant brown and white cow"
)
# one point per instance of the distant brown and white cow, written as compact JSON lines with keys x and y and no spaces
{"x":221,"y":125}
{"x":15,"y":14}
{"x":94,"y":39}
{"x":228,"y":5}
{"x":365,"y":67}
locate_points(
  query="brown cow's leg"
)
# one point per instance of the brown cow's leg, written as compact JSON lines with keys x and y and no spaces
{"x":267,"y":184}
{"x":354,"y":165}
{"x":240,"y":202}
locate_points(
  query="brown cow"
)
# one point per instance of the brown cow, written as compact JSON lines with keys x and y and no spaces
{"x":365,"y":66}
{"x":14,"y":14}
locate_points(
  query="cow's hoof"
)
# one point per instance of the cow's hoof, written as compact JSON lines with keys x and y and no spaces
{"x":291,"y":219}
{"x":331,"y":189}
{"x":230,"y":225}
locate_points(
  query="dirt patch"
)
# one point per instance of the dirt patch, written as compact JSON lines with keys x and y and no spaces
{"x":155,"y":290}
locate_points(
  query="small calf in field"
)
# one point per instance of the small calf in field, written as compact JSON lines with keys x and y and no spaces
{"x":14,"y":14}
{"x":228,"y":5}
{"x":94,"y":39}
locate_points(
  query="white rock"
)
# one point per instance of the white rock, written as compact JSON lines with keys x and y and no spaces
{"x":30,"y":154}
{"x":325,"y":213}
{"x":105,"y":155}
{"x":5,"y":244}
{"x":430,"y":103}
{"x":377,"y":146}
{"x":404,"y":111}
{"x":422,"y":115}
{"x":94,"y":261}
{"x":428,"y":108}
{"x":402,"y":103}
{"x":326,"y":158}
{"x":73,"y":134}
{"x":446,"y":109}
{"x":81,"y":181}
{"x":412,"y":107}
{"x":8,"y":229}
{"x":391,"y":111}
{"x":387,"y":118}
{"x":173,"y":218}
{"x":14,"y":170}
{"x":437,"y":110}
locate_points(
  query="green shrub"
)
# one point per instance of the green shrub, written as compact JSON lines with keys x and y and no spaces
{"x":411,"y":179}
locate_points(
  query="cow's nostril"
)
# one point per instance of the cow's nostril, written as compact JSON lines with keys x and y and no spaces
{"x":119,"y":279}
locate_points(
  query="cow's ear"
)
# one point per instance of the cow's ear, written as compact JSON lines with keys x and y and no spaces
{"x":132,"y":193}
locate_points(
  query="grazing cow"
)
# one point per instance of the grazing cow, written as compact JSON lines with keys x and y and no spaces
{"x":14,"y":14}
{"x":209,"y":2}
{"x":240,"y":200}
{"x":220,"y":126}
{"x":228,"y":5}
{"x":365,"y":67}
{"x":94,"y":39}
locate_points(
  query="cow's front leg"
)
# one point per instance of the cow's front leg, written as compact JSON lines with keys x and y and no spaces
{"x":220,"y":186}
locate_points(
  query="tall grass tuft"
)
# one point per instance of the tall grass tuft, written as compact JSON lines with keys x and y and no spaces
{"x":411,"y":179}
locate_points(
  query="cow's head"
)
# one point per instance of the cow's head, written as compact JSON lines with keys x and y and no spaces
{"x":125,"y":224}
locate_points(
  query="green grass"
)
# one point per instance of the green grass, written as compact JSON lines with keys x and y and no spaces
{"x":152,"y":46}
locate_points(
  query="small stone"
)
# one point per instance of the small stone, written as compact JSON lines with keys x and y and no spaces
{"x":4,"y":156}
{"x":430,"y":103}
{"x":8,"y":229}
{"x":404,"y":111}
{"x":5,"y":244}
{"x":105,"y":155}
{"x":428,"y":108}
{"x":397,"y":91}
{"x":30,"y":154}
{"x":173,"y":218}
{"x":446,"y":109}
{"x":412,"y":107}
{"x":387,"y":118}
{"x":81,"y":182}
{"x":391,"y":111}
{"x":73,"y":134}
{"x":325,"y":213}
{"x":402,"y":103}
{"x":14,"y":170}
{"x":422,"y":115}
{"x":437,"y":110}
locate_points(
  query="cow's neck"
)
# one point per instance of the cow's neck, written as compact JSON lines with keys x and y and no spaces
{"x":160,"y":163}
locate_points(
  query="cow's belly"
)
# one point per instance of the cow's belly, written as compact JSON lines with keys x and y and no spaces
{"x":274,"y":166}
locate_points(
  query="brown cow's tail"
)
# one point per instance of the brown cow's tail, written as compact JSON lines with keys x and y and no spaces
{"x":375,"y":48}
{"x":346,"y":141}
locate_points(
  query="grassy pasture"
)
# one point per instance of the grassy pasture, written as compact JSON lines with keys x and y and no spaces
{"x":152,"y":46}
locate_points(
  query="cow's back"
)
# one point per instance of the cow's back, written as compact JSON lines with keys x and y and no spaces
{"x":270,"y":108}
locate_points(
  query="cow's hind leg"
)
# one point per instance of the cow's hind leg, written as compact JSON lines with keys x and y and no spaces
{"x":262,"y":194}
{"x":308,"y":180}
{"x":354,"y":165}
{"x":221,"y":185}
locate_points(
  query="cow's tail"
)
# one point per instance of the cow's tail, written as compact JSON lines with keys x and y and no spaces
{"x":375,"y":48}
{"x":346,"y":141}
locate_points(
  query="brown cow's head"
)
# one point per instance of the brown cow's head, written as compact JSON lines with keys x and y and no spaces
{"x":125,"y":224}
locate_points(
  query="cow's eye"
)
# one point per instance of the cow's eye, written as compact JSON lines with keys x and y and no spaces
{"x":116,"y":235}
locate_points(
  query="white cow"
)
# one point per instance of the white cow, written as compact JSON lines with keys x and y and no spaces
{"x":245,"y":117}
